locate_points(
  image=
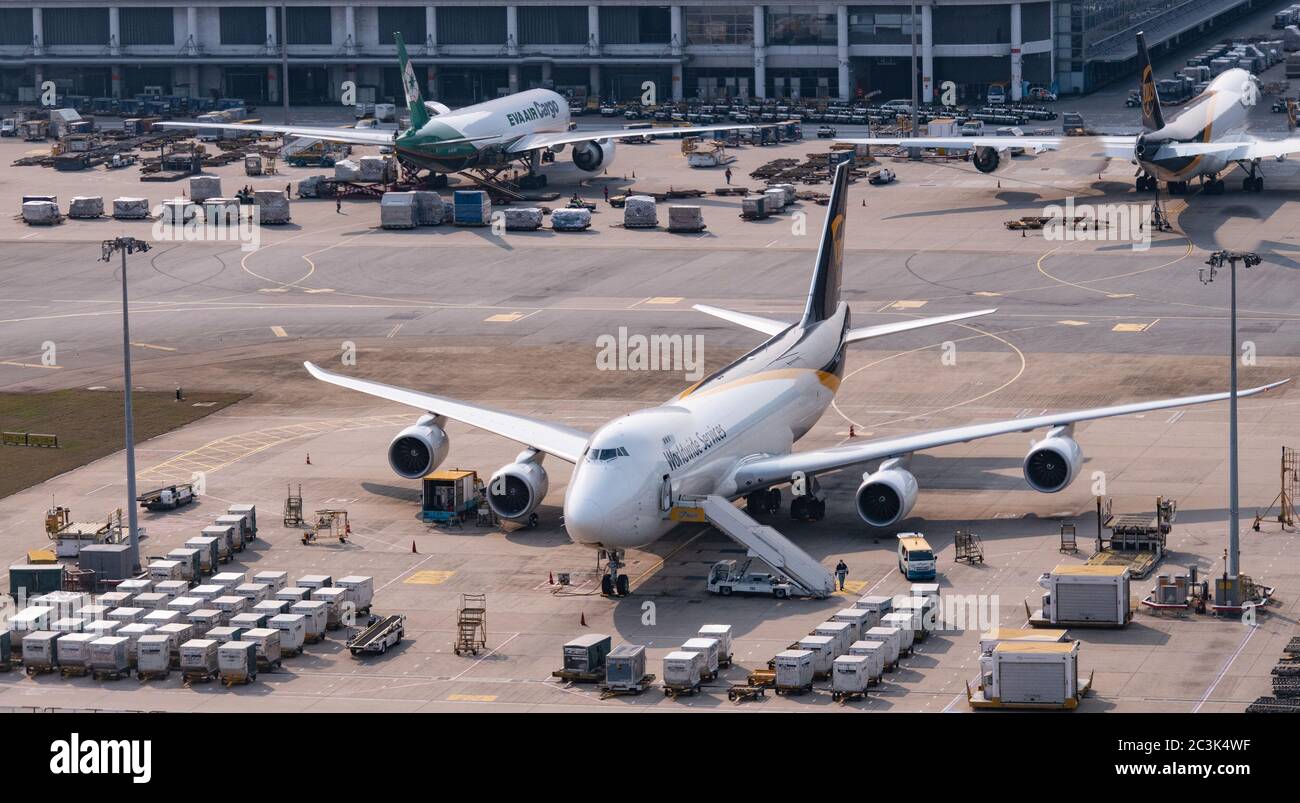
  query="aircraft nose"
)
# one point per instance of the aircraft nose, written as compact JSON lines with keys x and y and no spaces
{"x":586,"y":521}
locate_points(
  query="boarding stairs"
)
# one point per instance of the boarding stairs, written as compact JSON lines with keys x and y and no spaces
{"x":786,"y":559}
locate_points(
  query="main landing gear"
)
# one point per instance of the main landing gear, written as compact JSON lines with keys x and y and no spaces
{"x":613,"y":583}
{"x":1253,"y":182}
{"x":1213,"y":186}
{"x":807,"y":508}
{"x":768,"y":501}
{"x":1146,"y":183}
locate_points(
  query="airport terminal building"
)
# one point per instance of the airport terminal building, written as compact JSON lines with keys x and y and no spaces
{"x":606,"y":48}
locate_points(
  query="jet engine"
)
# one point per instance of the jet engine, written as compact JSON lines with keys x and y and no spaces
{"x":986,"y":160}
{"x":1053,"y":462}
{"x":420,"y":448}
{"x":594,"y":155}
{"x":887,"y":496}
{"x":517,"y":490}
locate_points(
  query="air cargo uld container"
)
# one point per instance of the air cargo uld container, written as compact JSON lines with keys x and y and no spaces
{"x":109,"y":656}
{"x":850,"y":674}
{"x":126,"y":615}
{"x":69,"y":624}
{"x":923,"y":612}
{"x":151,"y":601}
{"x":875,"y":651}
{"x":248,"y":620}
{"x":40,"y":650}
{"x":362,"y":588}
{"x":340,"y":608}
{"x":191,"y":562}
{"x":293,"y":594}
{"x":138,"y":585}
{"x":237,"y":661}
{"x":293,"y":631}
{"x":842,"y":632}
{"x":73,"y":650}
{"x":239,"y":531}
{"x":249,"y":512}
{"x":164,"y":569}
{"x":267,"y":640}
{"x":276,"y":580}
{"x":1030,"y":674}
{"x":29,"y":579}
{"x":683,"y":669}
{"x":102,"y":627}
{"x":709,"y":648}
{"x":315,"y":581}
{"x":160,"y":618}
{"x":153,"y":655}
{"x":997,"y":635}
{"x":315,"y":612}
{"x":180,"y":633}
{"x":91,"y":613}
{"x":904,"y":623}
{"x":65,"y":603}
{"x":225,"y":535}
{"x":185,"y":605}
{"x":271,"y":607}
{"x":6,"y":649}
{"x":227,"y":581}
{"x":206,"y":592}
{"x":877,"y":605}
{"x":199,"y":656}
{"x":31,"y":619}
{"x":858,"y":620}
{"x":132,"y":633}
{"x":116,"y":599}
{"x":625,"y":667}
{"x":794,"y":669}
{"x":253,"y":592}
{"x":723,"y":634}
{"x":229,"y":605}
{"x":823,"y":650}
{"x":1086,"y":595}
{"x":893,"y":640}
{"x":586,"y":654}
{"x":172,"y":588}
{"x":224,"y":633}
{"x":204,"y":619}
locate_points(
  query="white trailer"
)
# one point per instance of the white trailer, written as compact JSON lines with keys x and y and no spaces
{"x":850,"y":677}
{"x":1030,"y":675}
{"x":723,"y":634}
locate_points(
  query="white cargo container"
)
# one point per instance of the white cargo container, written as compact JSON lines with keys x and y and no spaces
{"x":1031,"y":674}
{"x":904,"y":622}
{"x":683,"y":670}
{"x":893,"y":640}
{"x":126,"y":615}
{"x":823,"y":652}
{"x":179,"y":633}
{"x":267,"y":640}
{"x":199,"y":656}
{"x":69,"y":624}
{"x":90,"y":613}
{"x":271,"y":607}
{"x":102,"y":627}
{"x":204,"y":619}
{"x":926,"y":591}
{"x":858,"y":619}
{"x":794,"y":670}
{"x":316,"y":614}
{"x":842,"y":632}
{"x":239,"y":534}
{"x":253,"y":592}
{"x":249,"y":512}
{"x":225,"y":535}
{"x":40,"y":650}
{"x":877,"y":605}
{"x":224,"y":634}
{"x":31,"y":619}
{"x":151,"y":601}
{"x":362,"y":588}
{"x":185,"y":605}
{"x":248,"y":621}
{"x":172,"y":588}
{"x":237,"y":661}
{"x":109,"y":656}
{"x":276,"y":580}
{"x":709,"y":647}
{"x":73,"y":649}
{"x":873,"y":650}
{"x":293,"y":594}
{"x":850,"y":675}
{"x":160,"y":618}
{"x":62,"y":603}
{"x":165,"y":569}
{"x":230,"y":605}
{"x":227,"y":580}
{"x":1091,"y":595}
{"x":205,"y":592}
{"x":293,"y":631}
{"x":923,"y":612}
{"x":723,"y":634}
{"x":115,"y":599}
{"x":136,"y":585}
{"x":132,"y":634}
{"x":192,"y":561}
{"x":997,"y":635}
{"x":339,"y":604}
{"x":153,"y":655}
{"x":314,"y":581}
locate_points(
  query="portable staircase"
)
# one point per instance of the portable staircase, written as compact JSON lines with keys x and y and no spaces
{"x":471,"y":624}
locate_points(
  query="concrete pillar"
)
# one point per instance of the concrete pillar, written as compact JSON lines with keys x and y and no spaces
{"x":191,"y":31}
{"x":431,"y":30}
{"x":350,"y":31}
{"x":676,"y":40}
{"x":546,"y":72}
{"x":115,"y":80}
{"x":272,"y":39}
{"x":760,"y":54}
{"x":513,"y":71}
{"x":927,"y":54}
{"x":593,"y":80}
{"x":593,"y":30}
{"x":38,"y":35}
{"x":512,"y":30}
{"x":272,"y":84}
{"x":1016,"y":43}
{"x":678,"y":80}
{"x":196,"y":91}
{"x":842,"y":50}
{"x":114,"y":31}
{"x":431,"y":83}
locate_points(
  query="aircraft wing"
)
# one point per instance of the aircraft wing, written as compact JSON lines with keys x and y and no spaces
{"x":769,"y":470}
{"x":533,"y":142}
{"x":563,"y":442}
{"x":354,"y":136}
{"x":958,"y":143}
{"x":1118,"y":147}
{"x":1234,"y":151}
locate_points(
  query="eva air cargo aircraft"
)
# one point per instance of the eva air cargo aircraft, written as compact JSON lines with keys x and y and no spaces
{"x":489,"y":135}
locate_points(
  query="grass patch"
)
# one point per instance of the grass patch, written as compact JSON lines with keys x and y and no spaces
{"x":89,"y":425}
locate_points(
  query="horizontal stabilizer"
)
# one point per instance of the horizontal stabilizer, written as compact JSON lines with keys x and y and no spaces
{"x":868,"y":332}
{"x":765,"y":325}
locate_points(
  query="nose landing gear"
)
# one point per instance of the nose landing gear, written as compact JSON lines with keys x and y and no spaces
{"x":1146,"y":183}
{"x":613,"y":583}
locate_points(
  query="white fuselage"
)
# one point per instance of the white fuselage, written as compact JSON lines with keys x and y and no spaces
{"x":759,"y":405}
{"x":533,"y":111}
{"x":1219,"y":114}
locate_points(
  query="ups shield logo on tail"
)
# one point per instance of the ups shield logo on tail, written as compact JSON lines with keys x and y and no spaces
{"x":1148,"y":94}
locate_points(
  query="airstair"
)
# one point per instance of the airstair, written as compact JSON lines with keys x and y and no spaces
{"x":763,"y":542}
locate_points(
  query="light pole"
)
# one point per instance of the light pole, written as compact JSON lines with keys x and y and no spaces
{"x":914,"y":153}
{"x":1232,"y":568}
{"x":124,"y":246}
{"x":284,"y":61}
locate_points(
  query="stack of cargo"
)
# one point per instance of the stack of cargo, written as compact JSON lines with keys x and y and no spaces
{"x":346,"y":170}
{"x":204,"y":187}
{"x":130,"y":208}
{"x":199,"y":658}
{"x":775,"y":199}
{"x":571,"y":219}
{"x":794,"y":671}
{"x":84,"y":207}
{"x":41,"y":213}
{"x":237,"y":662}
{"x":272,"y":206}
{"x":639,"y":212}
{"x":397,"y":210}
{"x":73,"y":653}
{"x":177,"y":211}
{"x":377,"y":169}
{"x":528,"y":218}
{"x":429,"y":208}
{"x":685,"y":218}
{"x":754,"y":207}
{"x":471,"y":208}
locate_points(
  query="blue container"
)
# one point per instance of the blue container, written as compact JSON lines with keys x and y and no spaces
{"x":471,"y":208}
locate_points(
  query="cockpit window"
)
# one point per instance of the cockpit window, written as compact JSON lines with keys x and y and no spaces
{"x":604,"y":455}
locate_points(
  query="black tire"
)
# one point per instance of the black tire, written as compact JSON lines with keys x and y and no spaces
{"x":607,"y":585}
{"x":532,"y":521}
{"x":622,"y":585}
{"x":780,"y":593}
{"x":724,"y":590}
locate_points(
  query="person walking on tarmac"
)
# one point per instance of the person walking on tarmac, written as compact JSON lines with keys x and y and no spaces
{"x":728,"y":175}
{"x":841,"y":573}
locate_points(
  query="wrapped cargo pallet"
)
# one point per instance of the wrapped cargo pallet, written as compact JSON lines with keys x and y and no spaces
{"x":346,"y":170}
{"x":204,"y":187}
{"x":177,"y":211}
{"x":41,"y":213}
{"x":429,"y":208}
{"x":272,"y":206}
{"x":639,"y":212}
{"x":685,"y":218}
{"x":524,"y":219}
{"x":221,"y":211}
{"x":571,"y":219}
{"x":130,"y":208}
{"x":377,"y":169}
{"x":84,"y":207}
{"x":310,"y":187}
{"x":471,"y":208}
{"x":775,"y":200}
{"x":753,"y":207}
{"x":788,"y":189}
{"x":397,"y":210}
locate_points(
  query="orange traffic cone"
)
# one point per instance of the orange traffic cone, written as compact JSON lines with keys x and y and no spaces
{"x":550,"y":578}
{"x":309,"y":458}
{"x":414,"y":551}
{"x":582,"y":620}
{"x":852,"y":433}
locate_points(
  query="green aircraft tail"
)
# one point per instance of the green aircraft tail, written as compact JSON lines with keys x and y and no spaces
{"x":411,"y":86}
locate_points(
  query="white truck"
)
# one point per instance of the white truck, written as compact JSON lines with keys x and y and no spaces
{"x":168,"y":498}
{"x":726,"y":578}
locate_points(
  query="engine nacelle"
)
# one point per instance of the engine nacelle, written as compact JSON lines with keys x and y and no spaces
{"x":986,"y":160}
{"x":419,"y":448}
{"x":434,"y":108}
{"x":887,"y":496}
{"x":516,"y":490}
{"x":594,"y":155}
{"x":1053,"y":463}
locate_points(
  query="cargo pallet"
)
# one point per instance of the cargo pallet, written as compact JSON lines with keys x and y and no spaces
{"x":843,"y":697}
{"x":230,"y":679}
{"x":573,"y":676}
{"x":110,"y":674}
{"x":762,"y":677}
{"x":74,"y":671}
{"x":673,"y":691}
{"x":159,"y":675}
{"x":795,"y":690}
{"x":607,"y":691}
{"x":39,"y":669}
{"x":741,"y":692}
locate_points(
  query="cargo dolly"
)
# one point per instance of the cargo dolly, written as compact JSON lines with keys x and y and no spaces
{"x":795,"y":690}
{"x":39,"y":669}
{"x":574,"y":676}
{"x":232,"y":678}
{"x":607,"y":691}
{"x":74,"y":671}
{"x":843,"y":697}
{"x":161,"y":674}
{"x":110,"y":674}
{"x":471,"y":624}
{"x":377,"y":638}
{"x":755,"y":686}
{"x":674,"y":690}
{"x":198,"y":676}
